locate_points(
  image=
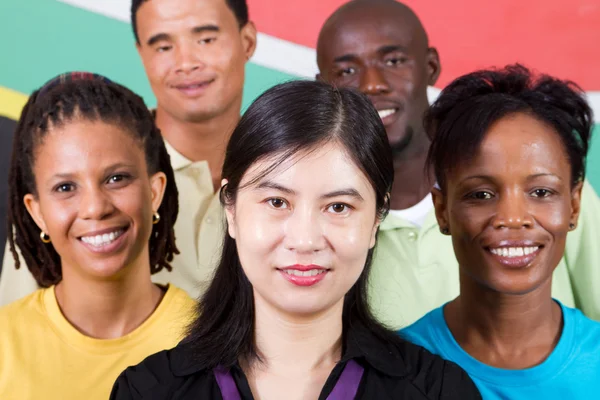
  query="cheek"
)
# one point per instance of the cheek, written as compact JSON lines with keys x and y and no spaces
{"x":350,"y":241}
{"x":58,"y":216}
{"x":157,"y":68}
{"x":257,"y":235}
{"x":136,"y":202}
{"x":231,"y":62}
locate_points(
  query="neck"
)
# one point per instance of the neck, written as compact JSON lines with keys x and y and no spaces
{"x":200,"y":141}
{"x":290,"y":344}
{"x":411,"y":181}
{"x":108,"y":308}
{"x":512,"y":331}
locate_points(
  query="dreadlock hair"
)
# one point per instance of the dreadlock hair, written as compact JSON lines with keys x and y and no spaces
{"x":66,"y":98}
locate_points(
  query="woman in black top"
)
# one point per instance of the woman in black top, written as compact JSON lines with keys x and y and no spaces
{"x":307,"y":177}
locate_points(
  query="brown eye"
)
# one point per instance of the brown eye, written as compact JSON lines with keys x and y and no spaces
{"x":481,"y":195}
{"x":347,"y":71}
{"x":277,"y":203}
{"x":338,"y":208}
{"x":65,"y":187}
{"x":541,"y":193}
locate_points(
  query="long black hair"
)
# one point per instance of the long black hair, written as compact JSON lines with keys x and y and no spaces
{"x":287,"y":119}
{"x":70,"y":96}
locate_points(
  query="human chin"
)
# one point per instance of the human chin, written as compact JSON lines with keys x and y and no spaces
{"x":399,"y":135}
{"x":512,"y":281}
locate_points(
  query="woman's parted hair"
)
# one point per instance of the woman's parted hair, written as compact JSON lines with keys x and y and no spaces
{"x":91,"y":97}
{"x":288,"y":119}
{"x":459,"y":119}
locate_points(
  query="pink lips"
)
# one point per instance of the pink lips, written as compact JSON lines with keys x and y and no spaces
{"x":304,"y":275}
{"x":193,"y":89}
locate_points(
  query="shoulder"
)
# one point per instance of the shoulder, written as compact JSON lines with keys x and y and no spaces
{"x":164,"y":375}
{"x":180,"y":299}
{"x":151,"y":377}
{"x":586,"y":329}
{"x":421,"y":331}
{"x":178,"y":306}
{"x":435,"y":377}
{"x":21,"y":321}
{"x":26,"y":308}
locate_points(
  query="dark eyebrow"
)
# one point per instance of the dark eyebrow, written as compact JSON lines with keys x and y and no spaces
{"x":345,"y":58}
{"x":544,"y":174}
{"x":391,"y":48}
{"x":158,"y":38}
{"x":343,"y":192}
{"x":276,"y":186}
{"x":490,"y":178}
{"x":197,"y":29}
{"x":205,"y":28}
{"x":63,"y":176}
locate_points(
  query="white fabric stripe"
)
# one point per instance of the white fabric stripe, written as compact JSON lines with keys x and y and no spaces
{"x":271,"y":52}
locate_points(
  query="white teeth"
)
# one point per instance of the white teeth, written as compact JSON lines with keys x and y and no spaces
{"x":102,"y":240}
{"x":386,"y":113}
{"x":514,"y":251}
{"x":312,"y":272}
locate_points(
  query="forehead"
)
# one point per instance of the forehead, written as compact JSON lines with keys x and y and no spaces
{"x":364,"y":31}
{"x":322,"y":169}
{"x":169,"y":16}
{"x":82,"y":144}
{"x":521,"y":144}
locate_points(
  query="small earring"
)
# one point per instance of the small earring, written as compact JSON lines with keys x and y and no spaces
{"x":445,"y":231}
{"x":45,"y":237}
{"x":155,"y":218}
{"x":571,"y":226}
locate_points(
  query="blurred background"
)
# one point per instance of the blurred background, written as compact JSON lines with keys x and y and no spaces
{"x":42,"y":38}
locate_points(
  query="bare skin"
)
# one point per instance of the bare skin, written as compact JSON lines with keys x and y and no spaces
{"x":381,"y":48}
{"x":194,"y":54}
{"x":516,"y":192}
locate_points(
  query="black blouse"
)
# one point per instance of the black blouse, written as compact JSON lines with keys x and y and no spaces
{"x":391,"y":371}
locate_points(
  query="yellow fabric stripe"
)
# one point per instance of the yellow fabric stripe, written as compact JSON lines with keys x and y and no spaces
{"x":11,"y":103}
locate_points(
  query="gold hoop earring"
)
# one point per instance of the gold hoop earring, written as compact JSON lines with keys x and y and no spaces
{"x":45,"y":237}
{"x":155,"y":218}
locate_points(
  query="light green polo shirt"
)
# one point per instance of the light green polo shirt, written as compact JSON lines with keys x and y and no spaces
{"x":415,"y":271}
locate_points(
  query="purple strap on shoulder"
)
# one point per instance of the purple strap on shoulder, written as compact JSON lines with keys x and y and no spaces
{"x":229,"y":390}
{"x":347,"y":386}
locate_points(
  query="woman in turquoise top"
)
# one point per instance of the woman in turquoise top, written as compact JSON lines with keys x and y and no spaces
{"x":508,"y":150}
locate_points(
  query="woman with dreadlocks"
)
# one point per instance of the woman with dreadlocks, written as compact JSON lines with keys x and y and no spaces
{"x":92,"y":206}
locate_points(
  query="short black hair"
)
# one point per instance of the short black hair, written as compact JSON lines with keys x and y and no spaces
{"x":459,"y":119}
{"x":62,"y":100}
{"x":239,"y":8}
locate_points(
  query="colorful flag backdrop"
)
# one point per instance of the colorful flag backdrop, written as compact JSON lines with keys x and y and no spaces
{"x":42,"y":38}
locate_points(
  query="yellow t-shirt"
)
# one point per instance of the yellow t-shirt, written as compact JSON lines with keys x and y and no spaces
{"x":42,"y":356}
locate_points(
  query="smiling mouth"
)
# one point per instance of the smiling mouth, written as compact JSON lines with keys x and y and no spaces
{"x":513,"y":252}
{"x":311,"y":272}
{"x":386,"y":112}
{"x":104,"y":239}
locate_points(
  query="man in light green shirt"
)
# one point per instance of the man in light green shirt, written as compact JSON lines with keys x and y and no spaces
{"x":381,"y":48}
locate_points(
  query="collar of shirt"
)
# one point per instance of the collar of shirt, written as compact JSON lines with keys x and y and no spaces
{"x":395,"y":222}
{"x":360,"y":343}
